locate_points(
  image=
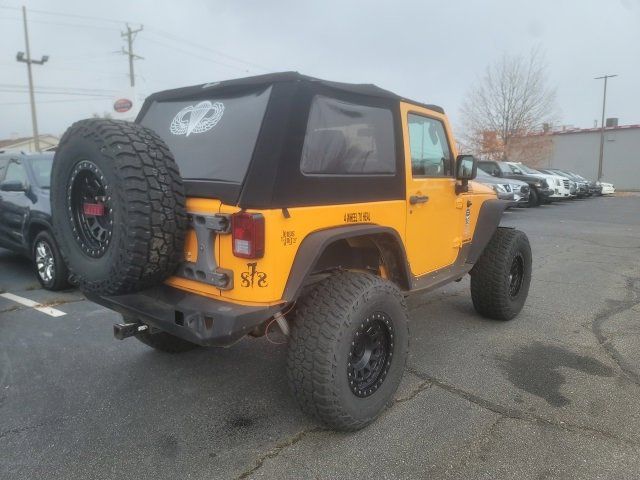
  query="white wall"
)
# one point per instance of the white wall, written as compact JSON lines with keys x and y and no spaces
{"x":579,"y":152}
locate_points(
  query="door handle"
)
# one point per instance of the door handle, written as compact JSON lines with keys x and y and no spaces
{"x":413,"y":199}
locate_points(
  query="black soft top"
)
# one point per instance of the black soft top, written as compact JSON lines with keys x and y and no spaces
{"x":228,"y":86}
{"x":274,"y":178}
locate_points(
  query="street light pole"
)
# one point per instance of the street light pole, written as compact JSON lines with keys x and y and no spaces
{"x":604,"y":103}
{"x":20,"y":57}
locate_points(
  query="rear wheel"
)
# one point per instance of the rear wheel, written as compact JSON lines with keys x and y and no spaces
{"x":348,"y":349}
{"x":501,"y":277}
{"x":51,"y":271}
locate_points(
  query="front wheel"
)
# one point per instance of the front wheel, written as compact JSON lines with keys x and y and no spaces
{"x":51,"y":271}
{"x":348,"y":349}
{"x":533,"y":198}
{"x":501,"y":277}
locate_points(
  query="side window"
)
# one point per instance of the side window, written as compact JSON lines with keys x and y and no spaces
{"x":490,"y":167}
{"x":348,"y":139}
{"x":16,"y":172}
{"x":430,"y":154}
{"x":516,"y":170}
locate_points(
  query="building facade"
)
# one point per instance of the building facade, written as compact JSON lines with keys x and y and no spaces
{"x":578,"y":150}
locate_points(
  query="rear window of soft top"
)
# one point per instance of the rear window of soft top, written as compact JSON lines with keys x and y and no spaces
{"x":211,"y":138}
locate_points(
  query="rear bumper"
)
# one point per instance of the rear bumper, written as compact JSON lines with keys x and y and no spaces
{"x":201,"y":320}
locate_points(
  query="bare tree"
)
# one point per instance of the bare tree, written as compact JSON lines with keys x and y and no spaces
{"x":513,"y":98}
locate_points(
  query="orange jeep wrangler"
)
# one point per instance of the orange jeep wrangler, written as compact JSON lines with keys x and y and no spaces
{"x":287,"y":200}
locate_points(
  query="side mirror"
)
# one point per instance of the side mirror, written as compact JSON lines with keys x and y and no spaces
{"x":466,"y":169}
{"x":13,"y":186}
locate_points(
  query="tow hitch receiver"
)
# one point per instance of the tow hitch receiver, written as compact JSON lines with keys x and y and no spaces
{"x":126,"y":330}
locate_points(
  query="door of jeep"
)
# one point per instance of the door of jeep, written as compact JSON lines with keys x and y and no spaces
{"x":14,"y":207}
{"x":433,"y":231}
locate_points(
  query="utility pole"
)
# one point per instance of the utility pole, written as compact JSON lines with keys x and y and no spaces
{"x":21,"y":58}
{"x":604,"y":103}
{"x":131,"y":35}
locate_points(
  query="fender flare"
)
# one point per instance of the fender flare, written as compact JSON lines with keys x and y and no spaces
{"x":314,"y":245}
{"x":487,"y":224}
{"x":38,"y":223}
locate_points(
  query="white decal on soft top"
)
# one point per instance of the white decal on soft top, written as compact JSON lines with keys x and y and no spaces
{"x":198,"y":118}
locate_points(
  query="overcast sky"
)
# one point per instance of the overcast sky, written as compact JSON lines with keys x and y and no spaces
{"x":430,"y":51}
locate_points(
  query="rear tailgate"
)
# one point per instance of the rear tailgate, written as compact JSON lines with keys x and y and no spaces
{"x":199,"y":273}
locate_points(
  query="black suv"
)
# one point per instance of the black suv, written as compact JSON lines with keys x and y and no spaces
{"x":540,"y":191}
{"x":25,"y":215}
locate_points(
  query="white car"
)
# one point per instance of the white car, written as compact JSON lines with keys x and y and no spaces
{"x":607,"y":188}
{"x":561,"y":186}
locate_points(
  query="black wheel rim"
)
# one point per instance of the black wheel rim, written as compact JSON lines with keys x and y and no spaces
{"x":88,"y":200}
{"x":370,"y":354}
{"x":516,"y":275}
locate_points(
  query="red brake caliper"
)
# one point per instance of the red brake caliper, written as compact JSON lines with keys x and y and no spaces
{"x":93,"y":209}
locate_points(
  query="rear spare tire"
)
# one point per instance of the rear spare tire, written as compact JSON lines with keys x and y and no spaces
{"x":118,"y":206}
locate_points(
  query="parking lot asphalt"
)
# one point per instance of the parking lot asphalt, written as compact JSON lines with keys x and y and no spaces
{"x":554,"y":393}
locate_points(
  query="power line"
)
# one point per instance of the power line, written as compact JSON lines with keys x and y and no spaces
{"x":102,"y":73}
{"x":71,"y":15}
{"x":47,"y":22}
{"x":59,"y":93}
{"x":160,"y":32}
{"x":103,"y":60}
{"x":195,"y":55}
{"x":100,"y":99}
{"x":72,"y":89}
{"x":208,"y":49}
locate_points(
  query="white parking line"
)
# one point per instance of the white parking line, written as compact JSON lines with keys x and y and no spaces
{"x":35,"y":305}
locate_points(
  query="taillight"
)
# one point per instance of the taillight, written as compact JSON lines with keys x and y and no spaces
{"x":247,"y":231}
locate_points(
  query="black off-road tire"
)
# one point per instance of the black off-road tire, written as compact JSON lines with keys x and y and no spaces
{"x":534,"y":200}
{"x":327,"y":319}
{"x":495,"y":290}
{"x":165,"y":342}
{"x":143,"y":199}
{"x":60,"y":279}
